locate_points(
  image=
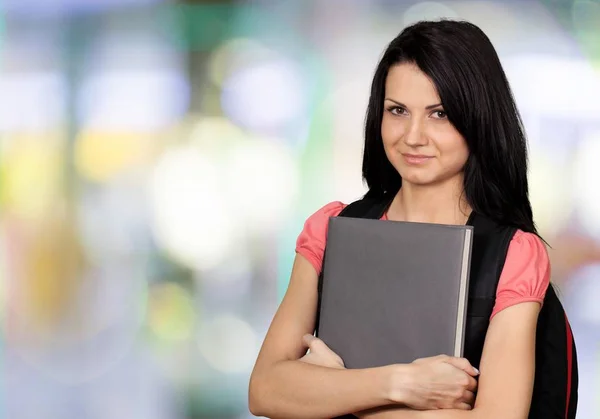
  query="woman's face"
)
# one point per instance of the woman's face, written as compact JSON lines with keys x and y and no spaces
{"x":418,"y":139}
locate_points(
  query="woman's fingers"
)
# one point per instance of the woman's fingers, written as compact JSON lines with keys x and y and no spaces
{"x":469,"y":397}
{"x":463,"y":364}
{"x":319,"y":349}
{"x":307,"y":340}
{"x":315,"y":344}
{"x":463,"y":406}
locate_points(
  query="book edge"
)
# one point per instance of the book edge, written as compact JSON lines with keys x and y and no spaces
{"x":462,"y":295}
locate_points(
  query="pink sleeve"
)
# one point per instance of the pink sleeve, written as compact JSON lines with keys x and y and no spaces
{"x":526,"y":273}
{"x":311,"y":241}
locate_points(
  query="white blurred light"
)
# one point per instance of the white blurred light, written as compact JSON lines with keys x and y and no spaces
{"x":550,"y":194}
{"x":263,"y":182}
{"x":264,"y":96}
{"x":216,"y":135}
{"x":555,"y":86}
{"x":584,"y":290}
{"x":585,"y":182}
{"x":32,"y":102}
{"x":133,"y":100}
{"x":427,"y":10}
{"x":190,"y":218}
{"x":231,"y":280}
{"x":347,"y":133}
{"x":229,"y":344}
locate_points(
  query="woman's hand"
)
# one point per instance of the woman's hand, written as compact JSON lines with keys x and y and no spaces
{"x":320,"y":354}
{"x":440,"y":382}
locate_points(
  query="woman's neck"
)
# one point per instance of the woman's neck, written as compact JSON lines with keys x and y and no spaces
{"x":443,"y":203}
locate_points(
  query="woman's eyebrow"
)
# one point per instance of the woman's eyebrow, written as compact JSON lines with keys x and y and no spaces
{"x":428,"y":107}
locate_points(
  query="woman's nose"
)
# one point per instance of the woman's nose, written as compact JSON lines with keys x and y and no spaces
{"x":414,"y":135}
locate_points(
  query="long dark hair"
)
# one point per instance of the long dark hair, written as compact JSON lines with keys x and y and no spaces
{"x":466,"y":71}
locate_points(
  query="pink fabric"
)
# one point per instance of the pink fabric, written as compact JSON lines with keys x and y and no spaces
{"x":525,"y":277}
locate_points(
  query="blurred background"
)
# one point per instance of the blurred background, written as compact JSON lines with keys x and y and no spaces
{"x":158,"y":160}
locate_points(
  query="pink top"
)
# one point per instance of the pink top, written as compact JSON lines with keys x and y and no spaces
{"x":525,"y":277}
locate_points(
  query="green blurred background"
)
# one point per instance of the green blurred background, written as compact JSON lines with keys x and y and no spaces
{"x":158,"y":160}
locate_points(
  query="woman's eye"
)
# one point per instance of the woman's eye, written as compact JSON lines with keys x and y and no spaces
{"x":439,"y":114}
{"x":395,"y":110}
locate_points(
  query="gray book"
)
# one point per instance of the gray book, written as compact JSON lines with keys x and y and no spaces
{"x":394,"y":291}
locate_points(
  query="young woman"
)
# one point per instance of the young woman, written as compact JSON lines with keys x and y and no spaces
{"x":444,"y":138}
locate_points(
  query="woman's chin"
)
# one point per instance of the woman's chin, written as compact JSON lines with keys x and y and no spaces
{"x":418,"y":179}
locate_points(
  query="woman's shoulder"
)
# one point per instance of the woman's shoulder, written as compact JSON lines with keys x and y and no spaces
{"x":331,"y":209}
{"x":527,"y":251}
{"x":316,"y":223}
{"x":526,"y":273}
{"x":528,"y":243}
{"x":311,"y":241}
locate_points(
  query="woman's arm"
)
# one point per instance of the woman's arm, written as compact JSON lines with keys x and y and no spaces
{"x":507,"y":371}
{"x":287,"y":384}
{"x":282,"y":386}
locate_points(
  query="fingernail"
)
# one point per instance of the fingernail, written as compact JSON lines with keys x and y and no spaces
{"x":476,"y":370}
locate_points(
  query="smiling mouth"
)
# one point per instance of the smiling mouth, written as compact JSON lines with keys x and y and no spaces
{"x":416,"y":159}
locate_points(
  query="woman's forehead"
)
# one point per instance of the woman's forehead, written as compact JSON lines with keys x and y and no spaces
{"x":406,"y":83}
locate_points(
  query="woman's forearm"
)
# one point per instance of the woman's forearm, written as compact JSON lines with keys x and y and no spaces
{"x":295,"y":389}
{"x":406,"y":413}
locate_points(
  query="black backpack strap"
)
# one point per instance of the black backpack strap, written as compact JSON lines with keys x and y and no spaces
{"x":367,"y":208}
{"x":555,"y":389}
{"x":489,"y":249}
{"x":490,"y":246}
